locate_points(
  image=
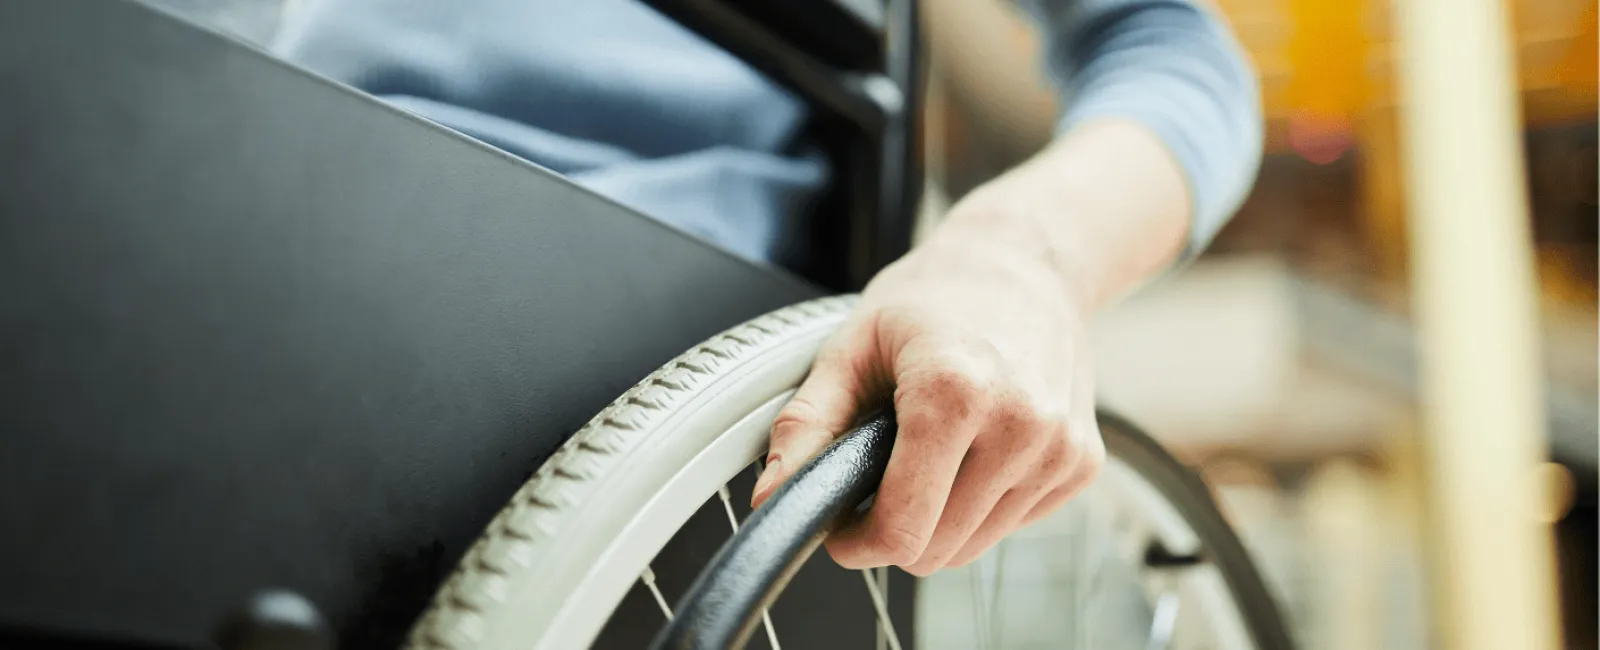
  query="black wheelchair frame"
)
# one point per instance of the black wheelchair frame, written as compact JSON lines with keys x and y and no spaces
{"x":862,"y":74}
{"x":264,"y":332}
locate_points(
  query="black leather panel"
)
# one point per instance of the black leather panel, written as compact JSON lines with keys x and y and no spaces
{"x":260,"y":331}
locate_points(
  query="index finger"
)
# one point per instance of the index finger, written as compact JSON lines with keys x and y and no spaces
{"x":938,"y":411}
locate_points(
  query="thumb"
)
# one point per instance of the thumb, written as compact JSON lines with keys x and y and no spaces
{"x":822,"y":408}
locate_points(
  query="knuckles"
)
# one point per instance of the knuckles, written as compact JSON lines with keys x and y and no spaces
{"x":885,"y":541}
{"x":897,"y":544}
{"x":1005,"y":406}
{"x":1055,"y":459}
{"x":1092,"y":455}
{"x":795,"y":417}
{"x":948,"y":385}
{"x":834,"y":354}
{"x":955,"y":391}
{"x":1028,"y":419}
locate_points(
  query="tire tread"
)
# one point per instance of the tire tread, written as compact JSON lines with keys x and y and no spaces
{"x":456,"y":618}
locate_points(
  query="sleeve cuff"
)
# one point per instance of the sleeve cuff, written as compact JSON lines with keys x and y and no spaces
{"x":1175,"y":69}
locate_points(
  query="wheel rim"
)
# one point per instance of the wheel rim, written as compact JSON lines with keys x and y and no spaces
{"x":631,"y":557}
{"x":540,"y":579}
{"x":536,"y":557}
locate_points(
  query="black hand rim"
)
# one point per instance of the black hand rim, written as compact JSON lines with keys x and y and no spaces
{"x":723,"y":606}
{"x":1220,"y":546}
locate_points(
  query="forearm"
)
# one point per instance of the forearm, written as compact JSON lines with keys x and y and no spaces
{"x":1103,"y":208}
{"x":1160,"y":108}
{"x":981,"y":331}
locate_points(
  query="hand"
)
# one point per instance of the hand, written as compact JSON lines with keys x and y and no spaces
{"x":977,"y":337}
{"x":982,"y":351}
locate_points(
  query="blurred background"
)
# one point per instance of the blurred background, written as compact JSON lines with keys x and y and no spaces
{"x":1298,"y":404}
{"x":1282,"y":363}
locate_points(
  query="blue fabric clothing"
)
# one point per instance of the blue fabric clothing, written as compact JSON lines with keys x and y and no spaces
{"x":1176,"y":69}
{"x":625,"y":102}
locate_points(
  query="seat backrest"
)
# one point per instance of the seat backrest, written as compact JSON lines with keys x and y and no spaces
{"x":858,"y":65}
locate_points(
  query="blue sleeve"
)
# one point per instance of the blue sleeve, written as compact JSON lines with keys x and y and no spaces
{"x":1174,"y":68}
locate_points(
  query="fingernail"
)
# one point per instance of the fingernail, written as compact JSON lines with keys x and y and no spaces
{"x":768,"y":477}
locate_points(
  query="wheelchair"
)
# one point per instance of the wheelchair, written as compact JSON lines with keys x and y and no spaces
{"x":253,"y":407}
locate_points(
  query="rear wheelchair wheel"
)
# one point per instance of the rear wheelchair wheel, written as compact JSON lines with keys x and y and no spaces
{"x":552,"y":567}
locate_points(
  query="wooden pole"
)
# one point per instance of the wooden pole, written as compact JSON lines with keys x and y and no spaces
{"x":1492,"y":583}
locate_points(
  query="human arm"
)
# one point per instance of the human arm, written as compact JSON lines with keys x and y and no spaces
{"x":977,"y":336}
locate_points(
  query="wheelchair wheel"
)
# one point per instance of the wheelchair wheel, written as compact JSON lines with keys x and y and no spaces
{"x":581,"y":534}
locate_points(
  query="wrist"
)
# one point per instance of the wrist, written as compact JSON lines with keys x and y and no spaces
{"x":995,"y":224}
{"x":1104,"y":207}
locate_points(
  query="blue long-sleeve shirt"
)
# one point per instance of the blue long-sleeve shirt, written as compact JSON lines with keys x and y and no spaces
{"x":625,"y":102}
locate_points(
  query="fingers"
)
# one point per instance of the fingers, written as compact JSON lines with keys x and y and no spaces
{"x":939,"y":408}
{"x":1031,"y":502}
{"x":999,"y":460}
{"x":1084,"y":473}
{"x":1083,"y":437}
{"x":971,"y":500}
{"x":823,"y":407}
{"x":981,"y":450}
{"x":1001,"y":521}
{"x":1018,"y":457}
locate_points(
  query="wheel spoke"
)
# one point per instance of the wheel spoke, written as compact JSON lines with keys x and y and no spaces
{"x":727,"y":507}
{"x":996,"y":618}
{"x":882,"y":606}
{"x":881,"y":574}
{"x":1081,"y":620}
{"x":1163,"y":622}
{"x":980,"y":627}
{"x":649,"y":580}
{"x":733,"y":523}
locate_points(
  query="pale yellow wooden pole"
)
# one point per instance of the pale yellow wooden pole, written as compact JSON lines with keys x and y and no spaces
{"x":1492,"y":577}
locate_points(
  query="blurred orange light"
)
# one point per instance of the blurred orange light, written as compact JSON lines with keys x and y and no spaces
{"x":1321,"y":140}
